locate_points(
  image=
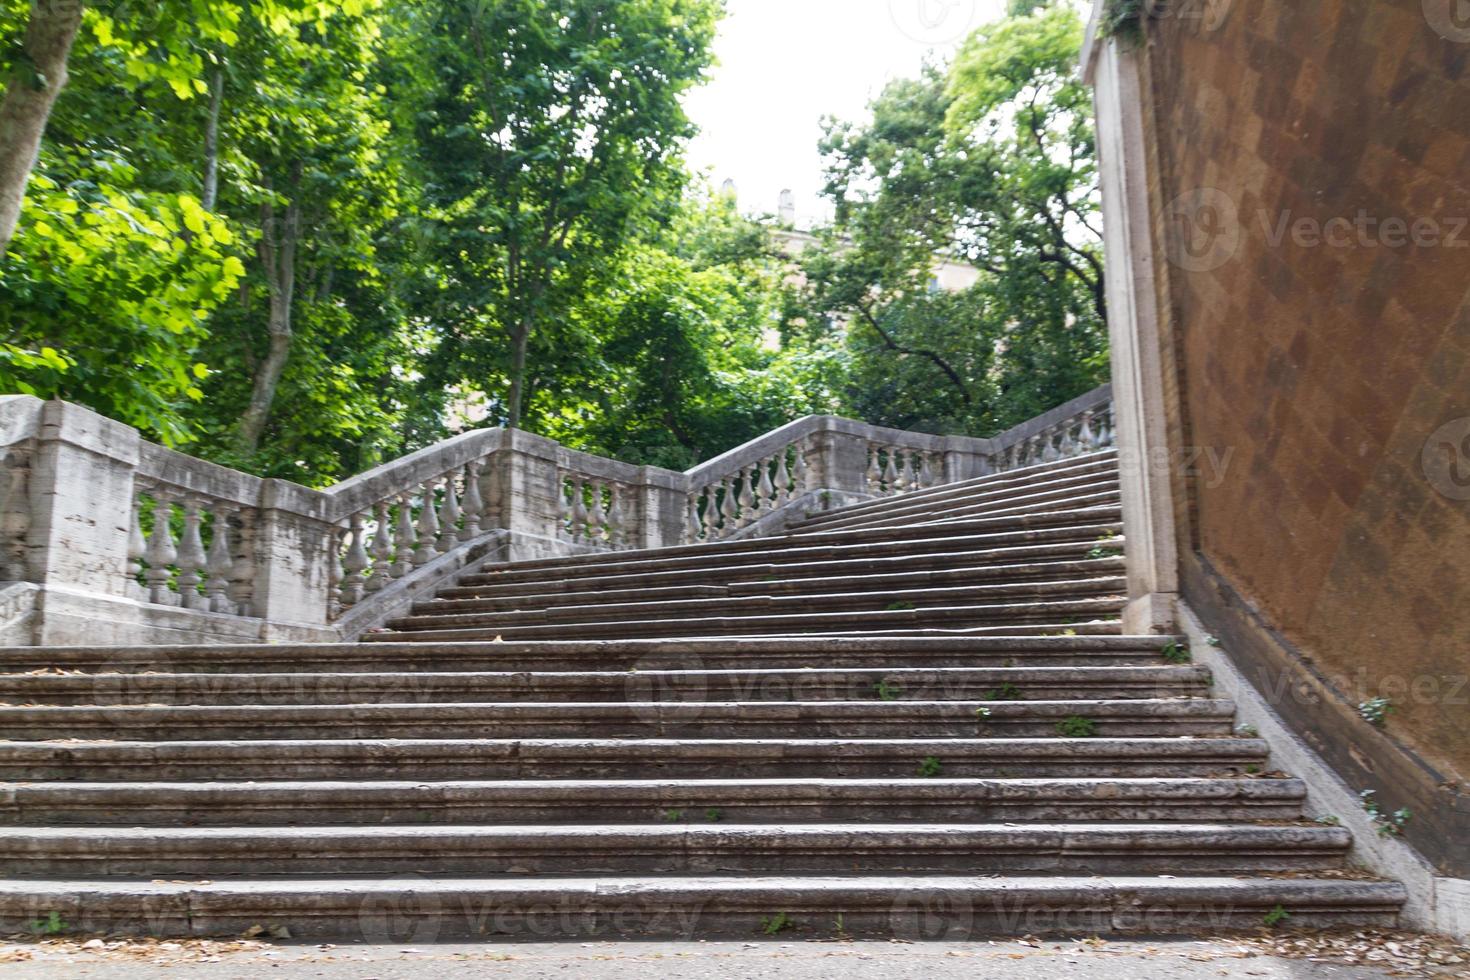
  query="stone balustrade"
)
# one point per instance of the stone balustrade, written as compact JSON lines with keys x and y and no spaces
{"x":131,"y":542}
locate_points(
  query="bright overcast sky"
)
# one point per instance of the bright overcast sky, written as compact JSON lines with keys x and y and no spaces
{"x":784,"y":64}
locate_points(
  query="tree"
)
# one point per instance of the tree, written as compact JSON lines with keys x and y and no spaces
{"x":989,"y":162}
{"x":550,"y":130}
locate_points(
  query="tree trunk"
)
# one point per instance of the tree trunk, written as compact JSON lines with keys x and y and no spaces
{"x":519,"y":340}
{"x":279,"y":259}
{"x":30,"y":93}
{"x":211,"y":139}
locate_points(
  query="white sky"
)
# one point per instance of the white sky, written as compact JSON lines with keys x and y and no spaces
{"x":784,"y":64}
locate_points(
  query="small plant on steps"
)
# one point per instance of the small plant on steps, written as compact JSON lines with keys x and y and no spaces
{"x":1375,"y":711}
{"x":1077,"y":726}
{"x":772,"y":925}
{"x":930,"y":767}
{"x":1276,"y":917}
{"x":1175,"y":654}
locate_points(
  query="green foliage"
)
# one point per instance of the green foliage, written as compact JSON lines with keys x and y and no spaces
{"x":887,"y":691}
{"x":1006,"y":692}
{"x":1389,"y":824}
{"x":774,"y":924}
{"x":1175,"y":654}
{"x":52,"y":925}
{"x":1375,"y":710}
{"x":1276,"y":917}
{"x":1077,"y":726}
{"x":930,"y":767}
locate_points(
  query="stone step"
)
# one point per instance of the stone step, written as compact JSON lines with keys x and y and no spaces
{"x":689,"y":684}
{"x":675,"y":848}
{"x":950,"y":555}
{"x":894,"y":511}
{"x":419,"y":910}
{"x":586,"y":757}
{"x":459,"y":614}
{"x":587,"y":802}
{"x":750,"y":719}
{"x":789,"y":550}
{"x":996,"y":483}
{"x":994,"y":577}
{"x":393,"y":653}
{"x":1018,"y":615}
{"x":1106,"y":496}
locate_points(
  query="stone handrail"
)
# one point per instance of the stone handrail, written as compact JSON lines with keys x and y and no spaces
{"x":155,"y":544}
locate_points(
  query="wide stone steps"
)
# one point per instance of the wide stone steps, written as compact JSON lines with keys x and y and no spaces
{"x":675,"y":848}
{"x":689,"y":685}
{"x":908,"y":509}
{"x":854,"y":597}
{"x":833,"y":719}
{"x":956,"y":555}
{"x":977,"y":534}
{"x":1010,"y":482}
{"x":419,"y":909}
{"x":1008,"y":615}
{"x":407,"y":652}
{"x":594,"y":802}
{"x":915,"y":717}
{"x":591,"y":757}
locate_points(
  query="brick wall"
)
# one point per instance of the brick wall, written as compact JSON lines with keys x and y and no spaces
{"x":1322,"y":338}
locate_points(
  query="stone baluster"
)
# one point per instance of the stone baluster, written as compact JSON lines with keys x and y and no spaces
{"x":161,"y":552}
{"x":890,"y":473}
{"x":335,"y":541}
{"x":729,"y":510}
{"x":616,"y":529}
{"x":873,"y":477}
{"x":137,"y":551}
{"x":428,"y":528}
{"x":745,"y":497}
{"x":766,"y":487}
{"x":191,"y":557}
{"x":448,"y":516}
{"x":580,"y":529}
{"x":403,"y":537}
{"x":596,"y":515}
{"x":15,"y":519}
{"x":785,"y":490}
{"x":1105,"y":430}
{"x":804,"y":474}
{"x":566,"y":522}
{"x":473,"y":505}
{"x":219,"y":564}
{"x":694,"y":529}
{"x":926,"y":470}
{"x":242,"y":569}
{"x":355,"y":563}
{"x":382,"y":550}
{"x":1086,"y":437}
{"x":1067,"y":445}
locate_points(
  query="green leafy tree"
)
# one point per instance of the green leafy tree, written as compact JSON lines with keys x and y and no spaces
{"x":550,"y":132}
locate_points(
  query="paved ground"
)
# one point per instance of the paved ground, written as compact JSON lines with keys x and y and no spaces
{"x":1025,"y":960}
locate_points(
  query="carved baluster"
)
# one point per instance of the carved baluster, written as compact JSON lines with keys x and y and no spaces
{"x":767,"y":489}
{"x":382,"y":548}
{"x":355,"y":563}
{"x":926,"y":470}
{"x":915,"y":465}
{"x":1033,"y":450}
{"x":784,"y":491}
{"x":873,"y":478}
{"x":137,"y":550}
{"x":161,"y":552}
{"x":804,"y":474}
{"x":693,"y":525}
{"x":746,"y":497}
{"x":219,"y":564}
{"x":449,"y":516}
{"x":428,"y":528}
{"x":1067,"y":446}
{"x":580,"y":529}
{"x":566,"y":523}
{"x":890,"y":474}
{"x":729,"y":511}
{"x":1086,"y":437}
{"x":597,"y":516}
{"x":473,"y":505}
{"x":616,"y":533}
{"x":335,"y":540}
{"x":1105,"y":431}
{"x":404,"y":537}
{"x":191,"y":557}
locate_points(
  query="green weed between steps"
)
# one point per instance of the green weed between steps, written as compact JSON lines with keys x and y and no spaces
{"x":52,"y":925}
{"x":1375,"y":711}
{"x":930,"y":767}
{"x":1077,"y":726}
{"x":903,"y":605}
{"x":1101,"y":552}
{"x":1175,"y":654}
{"x":1389,"y":824}
{"x":773,"y":924}
{"x":672,"y":816}
{"x":887,"y":691}
{"x":1276,"y":916}
{"x":1006,"y":692}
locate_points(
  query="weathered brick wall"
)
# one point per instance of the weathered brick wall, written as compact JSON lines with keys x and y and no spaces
{"x":1314,"y":163}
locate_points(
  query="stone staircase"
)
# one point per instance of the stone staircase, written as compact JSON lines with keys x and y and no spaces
{"x":913,"y":717}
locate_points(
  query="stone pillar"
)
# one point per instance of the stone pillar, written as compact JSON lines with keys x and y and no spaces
{"x":1139,"y":391}
{"x":664,"y":509}
{"x":80,"y":492}
{"x":841,"y":461}
{"x":290,"y":546}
